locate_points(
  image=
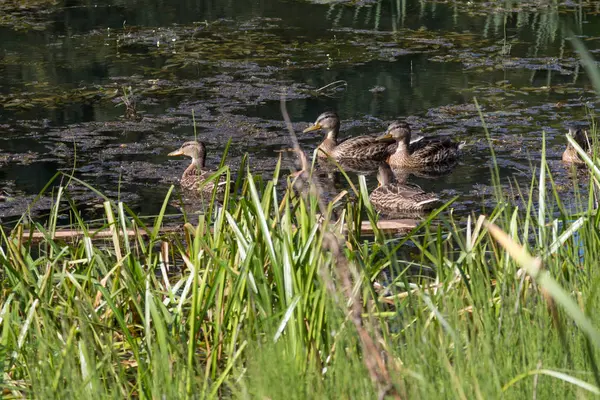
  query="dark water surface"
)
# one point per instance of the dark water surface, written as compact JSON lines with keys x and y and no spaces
{"x":63,"y":67}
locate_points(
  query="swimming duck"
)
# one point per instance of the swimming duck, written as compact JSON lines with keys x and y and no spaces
{"x":357,"y":148}
{"x":391,"y":196}
{"x":423,"y":154}
{"x":195,"y":174}
{"x":581,"y":136}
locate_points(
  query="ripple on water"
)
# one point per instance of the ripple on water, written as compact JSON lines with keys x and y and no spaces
{"x":63,"y":109}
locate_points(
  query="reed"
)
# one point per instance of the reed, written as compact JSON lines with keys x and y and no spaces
{"x":252,"y":300}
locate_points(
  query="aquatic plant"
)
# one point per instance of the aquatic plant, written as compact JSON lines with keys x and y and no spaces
{"x":268,"y":293}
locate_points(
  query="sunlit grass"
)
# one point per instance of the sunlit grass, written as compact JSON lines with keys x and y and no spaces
{"x":253,"y":306}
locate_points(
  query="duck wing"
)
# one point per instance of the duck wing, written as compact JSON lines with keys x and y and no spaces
{"x":397,"y":196}
{"x":411,"y":192}
{"x":195,"y":181}
{"x":363,"y":148}
{"x":435,"y":151}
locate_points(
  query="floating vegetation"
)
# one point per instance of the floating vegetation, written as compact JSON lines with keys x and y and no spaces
{"x":230,"y":73}
{"x":25,"y":15}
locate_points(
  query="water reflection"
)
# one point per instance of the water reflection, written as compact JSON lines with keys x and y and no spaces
{"x":60,"y":83}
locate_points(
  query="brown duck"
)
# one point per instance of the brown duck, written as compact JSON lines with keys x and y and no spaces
{"x":357,"y":148}
{"x":391,"y":196}
{"x":423,"y":154}
{"x":195,"y":175}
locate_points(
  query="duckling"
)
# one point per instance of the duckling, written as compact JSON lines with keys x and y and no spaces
{"x":423,"y":154}
{"x":391,"y":196}
{"x":582,"y":138}
{"x":196,"y":174}
{"x":357,"y":148}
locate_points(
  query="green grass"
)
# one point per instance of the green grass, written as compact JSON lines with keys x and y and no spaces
{"x":260,"y":307}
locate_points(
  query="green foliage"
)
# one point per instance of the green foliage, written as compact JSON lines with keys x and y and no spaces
{"x":252,"y":308}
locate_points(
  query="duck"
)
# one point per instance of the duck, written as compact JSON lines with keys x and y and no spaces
{"x":422,"y":154}
{"x":582,"y":138}
{"x":392,"y":196}
{"x":195,"y":175}
{"x":356,"y":148}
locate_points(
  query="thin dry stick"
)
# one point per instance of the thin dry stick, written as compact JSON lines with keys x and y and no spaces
{"x":164,"y":252}
{"x":330,"y":89}
{"x":373,"y":353}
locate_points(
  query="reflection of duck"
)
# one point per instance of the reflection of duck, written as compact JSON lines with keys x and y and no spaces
{"x":195,"y":175}
{"x":357,"y":148}
{"x":582,"y":138}
{"x":361,"y":167}
{"x":398,"y":197}
{"x":431,"y":172}
{"x":424,"y":154}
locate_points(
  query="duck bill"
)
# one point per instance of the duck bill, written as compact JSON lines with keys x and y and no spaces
{"x":386,"y":137}
{"x":312,"y":128}
{"x":175,"y":153}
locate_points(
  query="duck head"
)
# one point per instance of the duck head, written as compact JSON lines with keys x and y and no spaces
{"x":328,"y":122}
{"x":195,"y":150}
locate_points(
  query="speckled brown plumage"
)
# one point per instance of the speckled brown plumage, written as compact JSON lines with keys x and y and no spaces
{"x":195,"y":174}
{"x":362,"y":167}
{"x":391,"y":196}
{"x":582,"y":138}
{"x":426,"y":153}
{"x":357,"y":148}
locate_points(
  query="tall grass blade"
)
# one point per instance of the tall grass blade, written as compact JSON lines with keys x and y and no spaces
{"x":533,"y":266}
{"x":555,"y":374}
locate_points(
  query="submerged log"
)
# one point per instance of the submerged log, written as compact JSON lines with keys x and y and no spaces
{"x":390,"y":226}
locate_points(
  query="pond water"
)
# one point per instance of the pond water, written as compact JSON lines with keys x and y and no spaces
{"x":65,"y":64}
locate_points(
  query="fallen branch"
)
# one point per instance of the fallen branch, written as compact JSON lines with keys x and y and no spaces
{"x":392,"y":226}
